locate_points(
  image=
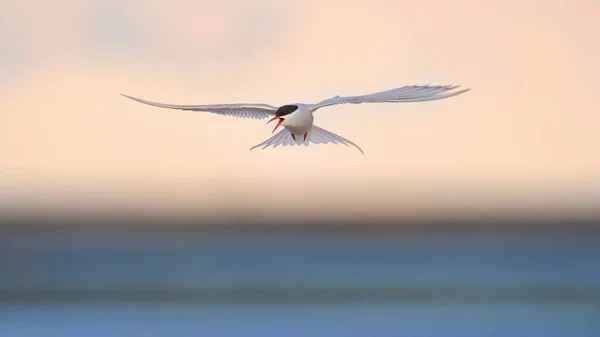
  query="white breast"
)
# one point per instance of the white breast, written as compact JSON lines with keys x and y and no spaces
{"x":299,"y":121}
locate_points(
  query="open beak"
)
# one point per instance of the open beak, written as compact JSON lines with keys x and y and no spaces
{"x":278,"y":123}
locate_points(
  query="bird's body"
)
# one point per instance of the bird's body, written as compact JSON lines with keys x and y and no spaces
{"x":297,"y":119}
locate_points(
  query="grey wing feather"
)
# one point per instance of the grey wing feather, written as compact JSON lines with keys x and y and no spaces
{"x":283,"y":137}
{"x":241,"y":110}
{"x":413,"y":93}
{"x":322,"y":136}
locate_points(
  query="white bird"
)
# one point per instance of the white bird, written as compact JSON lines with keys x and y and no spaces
{"x":297,"y":119}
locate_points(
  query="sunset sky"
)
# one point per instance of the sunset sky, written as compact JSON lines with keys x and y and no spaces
{"x":524,"y":138}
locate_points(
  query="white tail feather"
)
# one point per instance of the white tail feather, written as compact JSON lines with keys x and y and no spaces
{"x":316,"y":135}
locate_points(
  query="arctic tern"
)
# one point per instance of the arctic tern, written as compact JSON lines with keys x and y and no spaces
{"x":297,"y":118}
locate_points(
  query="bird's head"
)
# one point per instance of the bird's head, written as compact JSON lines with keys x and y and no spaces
{"x":282,"y":114}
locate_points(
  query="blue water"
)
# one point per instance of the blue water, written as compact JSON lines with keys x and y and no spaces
{"x":359,"y":319}
{"x":105,"y":262}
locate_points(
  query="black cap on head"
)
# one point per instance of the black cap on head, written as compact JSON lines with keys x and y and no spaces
{"x":286,"y":110}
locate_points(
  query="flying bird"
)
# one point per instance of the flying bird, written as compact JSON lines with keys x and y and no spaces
{"x":297,"y":118}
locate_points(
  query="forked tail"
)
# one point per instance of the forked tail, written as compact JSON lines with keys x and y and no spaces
{"x":316,"y":135}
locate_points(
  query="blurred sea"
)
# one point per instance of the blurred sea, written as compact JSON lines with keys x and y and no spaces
{"x":173,"y":283}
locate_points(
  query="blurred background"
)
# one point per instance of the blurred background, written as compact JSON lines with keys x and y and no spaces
{"x":478,"y":215}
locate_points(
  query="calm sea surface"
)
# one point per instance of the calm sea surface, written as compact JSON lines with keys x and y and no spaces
{"x":170,"y":284}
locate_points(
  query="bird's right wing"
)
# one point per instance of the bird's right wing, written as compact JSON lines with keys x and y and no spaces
{"x":411,"y":93}
{"x":241,"y":110}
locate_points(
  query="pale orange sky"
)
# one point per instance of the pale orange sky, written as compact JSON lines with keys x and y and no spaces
{"x":523,"y":137}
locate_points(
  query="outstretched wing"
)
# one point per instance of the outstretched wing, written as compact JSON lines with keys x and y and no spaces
{"x":413,"y":93}
{"x":241,"y":110}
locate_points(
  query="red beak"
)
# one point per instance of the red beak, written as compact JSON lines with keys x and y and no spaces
{"x":278,"y":123}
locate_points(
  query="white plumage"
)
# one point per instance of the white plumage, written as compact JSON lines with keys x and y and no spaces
{"x":316,"y":135}
{"x":297,"y":119}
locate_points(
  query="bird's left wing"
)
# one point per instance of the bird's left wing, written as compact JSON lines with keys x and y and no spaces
{"x":241,"y":110}
{"x":413,"y":93}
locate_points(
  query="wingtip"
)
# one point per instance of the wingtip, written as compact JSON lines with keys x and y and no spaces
{"x":452,"y":87}
{"x":462,"y":90}
{"x":137,"y":99}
